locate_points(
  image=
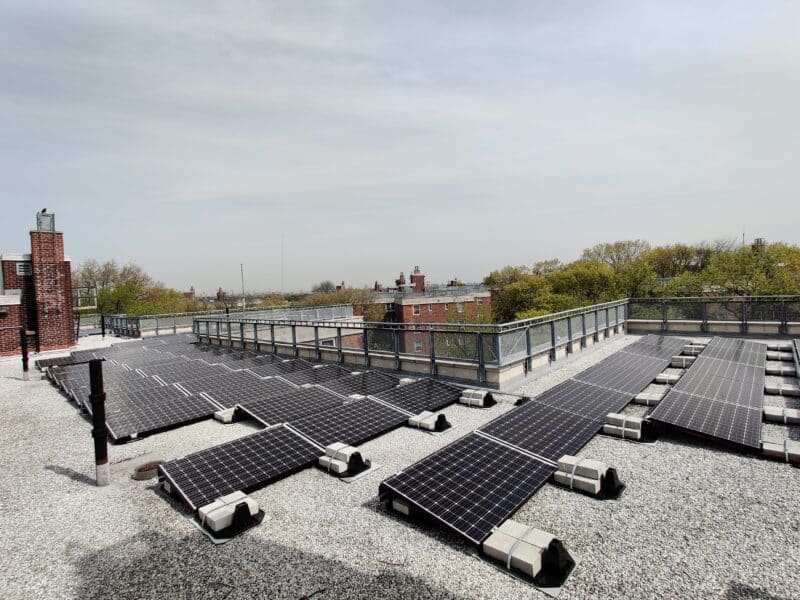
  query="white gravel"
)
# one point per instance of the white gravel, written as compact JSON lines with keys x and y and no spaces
{"x":693,"y":522}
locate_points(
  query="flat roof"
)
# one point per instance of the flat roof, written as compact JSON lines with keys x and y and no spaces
{"x":695,"y":520}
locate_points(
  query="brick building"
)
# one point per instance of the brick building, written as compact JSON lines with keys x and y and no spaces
{"x":412,"y":302}
{"x":36,"y":292}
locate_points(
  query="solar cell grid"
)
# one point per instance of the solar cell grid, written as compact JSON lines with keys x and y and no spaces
{"x":290,"y":406}
{"x":584,"y":400}
{"x":471,"y":486}
{"x":243,"y":464}
{"x":422,"y":395}
{"x":722,"y":393}
{"x":365,"y":384}
{"x":280,"y":367}
{"x":543,"y":430}
{"x":315,"y":375}
{"x":240,"y":388}
{"x":154,"y":410}
{"x":353,"y":423}
{"x":629,"y":373}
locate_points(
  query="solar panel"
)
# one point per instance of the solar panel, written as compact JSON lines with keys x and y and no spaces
{"x":543,"y":430}
{"x":365,"y":384}
{"x":244,"y":464}
{"x":281,"y":367}
{"x":138,"y":412}
{"x":290,"y":406}
{"x":625,"y":372}
{"x":722,"y":393}
{"x":584,"y":399}
{"x":236,"y":388}
{"x":315,"y":375}
{"x":471,"y":486}
{"x":353,"y":423}
{"x":425,"y":394}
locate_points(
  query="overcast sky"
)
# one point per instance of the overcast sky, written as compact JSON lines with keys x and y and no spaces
{"x":375,"y":136}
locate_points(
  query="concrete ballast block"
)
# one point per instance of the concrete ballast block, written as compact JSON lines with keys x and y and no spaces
{"x":622,"y":432}
{"x":626,"y":421}
{"x":218,"y":515}
{"x":777,"y":414}
{"x":584,"y":484}
{"x":584,"y":467}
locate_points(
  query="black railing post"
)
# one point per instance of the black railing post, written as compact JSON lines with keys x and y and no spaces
{"x":339,"y":353}
{"x":396,"y":342}
{"x":432,"y":353}
{"x":97,"y":398}
{"x":102,"y":325}
{"x":481,"y":361}
{"x":23,"y":346}
{"x":569,"y":335}
{"x":553,"y":340}
{"x":528,"y":349}
{"x":366,"y":347}
{"x":317,"y":352}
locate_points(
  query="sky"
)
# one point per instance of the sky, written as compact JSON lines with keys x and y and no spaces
{"x":191,"y":137}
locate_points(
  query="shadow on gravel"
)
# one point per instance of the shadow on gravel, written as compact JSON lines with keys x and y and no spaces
{"x":742,"y":591}
{"x":71,"y":474}
{"x":151,"y":564}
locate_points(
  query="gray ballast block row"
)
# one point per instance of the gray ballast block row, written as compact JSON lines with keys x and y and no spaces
{"x":623,"y":426}
{"x":692,"y":349}
{"x":782,"y":389}
{"x":669,"y":378}
{"x":681,"y":362}
{"x":788,"y":450}
{"x":783,"y":356}
{"x":479,"y":398}
{"x":650,"y":398}
{"x":780,"y":370}
{"x":532,"y":552}
{"x":589,"y":476}
{"x":779,"y":346}
{"x":777,"y":414}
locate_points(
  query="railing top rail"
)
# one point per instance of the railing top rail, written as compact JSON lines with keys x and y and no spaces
{"x":714,"y":299}
{"x":475,"y":327}
{"x":560,"y":315}
{"x":232,"y":312}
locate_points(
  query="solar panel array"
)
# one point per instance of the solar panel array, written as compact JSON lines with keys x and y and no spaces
{"x":157,"y":383}
{"x":315,"y":415}
{"x":476,"y":483}
{"x":422,"y":395}
{"x":243,"y":464}
{"x":370,"y":382}
{"x":722,"y":393}
{"x":472,"y":485}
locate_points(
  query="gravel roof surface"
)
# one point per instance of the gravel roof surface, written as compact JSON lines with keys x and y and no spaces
{"x":695,"y":521}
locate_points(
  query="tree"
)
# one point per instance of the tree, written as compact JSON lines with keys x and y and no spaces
{"x":324,"y":287}
{"x":528,"y":292}
{"x":545,"y":267}
{"x":505,"y":276}
{"x":616,"y":254}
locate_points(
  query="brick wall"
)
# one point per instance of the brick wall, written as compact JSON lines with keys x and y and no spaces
{"x":10,"y":322}
{"x":12,"y":281}
{"x":52,"y":287}
{"x":437,"y":313}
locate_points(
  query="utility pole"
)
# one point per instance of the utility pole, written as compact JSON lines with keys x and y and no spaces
{"x":241,"y":266}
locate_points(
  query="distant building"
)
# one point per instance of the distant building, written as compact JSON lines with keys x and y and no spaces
{"x":413,"y":301}
{"x":36,"y":292}
{"x":190,"y":295}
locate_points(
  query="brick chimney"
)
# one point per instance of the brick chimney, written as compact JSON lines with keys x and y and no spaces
{"x":400,"y":281}
{"x":417,"y":280}
{"x":52,"y":286}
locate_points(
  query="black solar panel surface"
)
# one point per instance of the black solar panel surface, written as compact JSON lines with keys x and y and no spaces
{"x":147,"y":410}
{"x":722,"y":393}
{"x":236,"y":388}
{"x":290,"y":406}
{"x":583,"y":400}
{"x":365,"y":384}
{"x":543,"y":430}
{"x":281,"y":368}
{"x":318,"y":374}
{"x":353,"y":423}
{"x":422,"y":395}
{"x":244,"y":464}
{"x":471,"y":486}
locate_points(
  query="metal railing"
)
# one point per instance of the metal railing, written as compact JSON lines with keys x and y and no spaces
{"x":440,"y":345}
{"x":462,"y":290}
{"x":135,"y":326}
{"x":706,"y":312}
